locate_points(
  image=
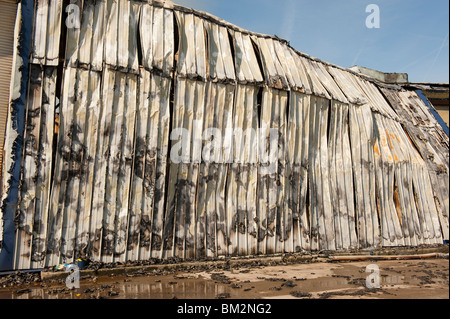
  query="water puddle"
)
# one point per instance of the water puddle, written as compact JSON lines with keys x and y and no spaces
{"x":125,"y":288}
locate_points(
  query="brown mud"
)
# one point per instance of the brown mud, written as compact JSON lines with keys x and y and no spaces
{"x":407,"y":279}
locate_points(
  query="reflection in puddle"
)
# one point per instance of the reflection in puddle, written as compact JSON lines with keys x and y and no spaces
{"x":147,"y":288}
{"x":134,"y":289}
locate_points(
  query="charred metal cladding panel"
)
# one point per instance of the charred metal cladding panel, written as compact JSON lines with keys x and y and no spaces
{"x":152,"y":131}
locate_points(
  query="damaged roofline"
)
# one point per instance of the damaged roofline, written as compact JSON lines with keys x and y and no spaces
{"x":209,"y":17}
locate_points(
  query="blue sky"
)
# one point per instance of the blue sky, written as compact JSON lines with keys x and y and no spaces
{"x":413,"y":36}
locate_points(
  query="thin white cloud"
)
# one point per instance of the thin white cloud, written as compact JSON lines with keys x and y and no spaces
{"x":444,"y":43}
{"x":421,"y":59}
{"x":289,"y":20}
{"x":358,"y":55}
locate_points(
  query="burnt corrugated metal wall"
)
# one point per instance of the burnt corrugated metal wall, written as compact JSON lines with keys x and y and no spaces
{"x":352,"y":165}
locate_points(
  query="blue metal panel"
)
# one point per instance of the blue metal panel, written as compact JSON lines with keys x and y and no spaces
{"x":17,"y":116}
{"x":433,"y":111}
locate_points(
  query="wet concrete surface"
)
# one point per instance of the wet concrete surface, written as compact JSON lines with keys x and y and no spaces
{"x":412,"y":279}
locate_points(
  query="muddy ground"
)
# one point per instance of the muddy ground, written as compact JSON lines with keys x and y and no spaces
{"x":410,"y":279}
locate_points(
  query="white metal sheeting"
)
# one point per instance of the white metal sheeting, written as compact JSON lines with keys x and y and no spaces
{"x":156,"y":30}
{"x":32,"y":214}
{"x":317,"y":87}
{"x":163,"y":154}
{"x":220,"y":56}
{"x":430,"y":144}
{"x":346,"y":82}
{"x":282,"y":67}
{"x":247,"y":67}
{"x":192,"y":43}
{"x":47,"y":28}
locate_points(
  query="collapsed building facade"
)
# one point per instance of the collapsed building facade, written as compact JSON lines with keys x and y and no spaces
{"x":358,"y":164}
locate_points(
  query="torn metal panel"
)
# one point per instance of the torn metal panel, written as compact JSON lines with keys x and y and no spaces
{"x":125,"y":174}
{"x":107,"y":93}
{"x":295,"y":73}
{"x":328,"y":82}
{"x":111,"y":33}
{"x":251,"y":124}
{"x":73,"y":35}
{"x":211,"y":222}
{"x":431,"y":148}
{"x":137,"y":186}
{"x":85,"y":34}
{"x":284,"y":220}
{"x":25,"y":216}
{"x":348,"y":179}
{"x":43,"y":182}
{"x":409,"y":215}
{"x":40,"y":31}
{"x":206,"y":245}
{"x":274,"y":104}
{"x":247,"y":66}
{"x":188,"y":169}
{"x":297,"y":169}
{"x":15,"y":128}
{"x":47,"y":32}
{"x":183,"y":171}
{"x":361,"y":141}
{"x":88,"y":180}
{"x":317,"y":87}
{"x":156,"y":30}
{"x":74,"y":134}
{"x":273,"y":71}
{"x":219,"y":114}
{"x":402,"y":150}
{"x":79,"y":199}
{"x":377,"y":102}
{"x":327,"y":237}
{"x":241,"y":210}
{"x":192,"y":62}
{"x":312,"y":173}
{"x":121,"y":36}
{"x":85,"y":45}
{"x":341,"y":177}
{"x":98,"y":36}
{"x":62,"y":170}
{"x":302,"y":72}
{"x":384,"y":161}
{"x":282,"y":66}
{"x":128,"y":35}
{"x":345,"y":81}
{"x":220,"y":56}
{"x":163,"y":86}
{"x":112,"y":210}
